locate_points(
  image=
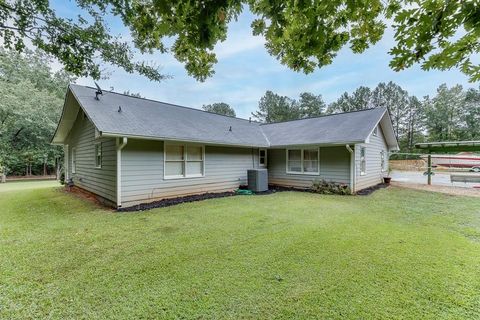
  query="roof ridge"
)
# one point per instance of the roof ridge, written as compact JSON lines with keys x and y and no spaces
{"x":171,"y":104}
{"x":323,"y":116}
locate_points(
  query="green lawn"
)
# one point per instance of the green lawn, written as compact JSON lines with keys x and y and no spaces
{"x":396,"y":254}
{"x":24,"y":185}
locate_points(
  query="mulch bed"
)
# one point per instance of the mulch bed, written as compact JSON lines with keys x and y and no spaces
{"x":199,"y":197}
{"x":370,"y":190}
{"x":174,"y":201}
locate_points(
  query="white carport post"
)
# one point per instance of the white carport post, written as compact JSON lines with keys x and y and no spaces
{"x":121,"y":143}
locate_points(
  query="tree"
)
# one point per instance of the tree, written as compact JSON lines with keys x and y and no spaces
{"x":396,"y":100}
{"x":438,"y":34}
{"x":220,"y":108}
{"x":30,"y":107}
{"x":361,"y":99}
{"x":81,"y":44}
{"x":414,"y":124}
{"x":303,"y":35}
{"x":471,"y":115}
{"x":274,"y":108}
{"x":311,"y":105}
{"x":444,"y":113}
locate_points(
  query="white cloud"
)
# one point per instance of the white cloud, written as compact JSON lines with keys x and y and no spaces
{"x":238,"y":43}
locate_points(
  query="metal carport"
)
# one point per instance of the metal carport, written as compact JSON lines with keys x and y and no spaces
{"x":445,"y":147}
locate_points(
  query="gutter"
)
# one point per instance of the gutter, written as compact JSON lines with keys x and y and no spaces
{"x":216,"y":143}
{"x":121,"y":143}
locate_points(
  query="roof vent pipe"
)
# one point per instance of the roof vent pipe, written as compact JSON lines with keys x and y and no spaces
{"x":230,"y":129}
{"x":119,"y":109}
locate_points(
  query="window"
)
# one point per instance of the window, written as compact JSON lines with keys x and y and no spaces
{"x":363,"y":164}
{"x":375,"y":131}
{"x":382,"y":160}
{"x":74,"y":160}
{"x":262,"y":157}
{"x":184,"y":161}
{"x":303,"y":161}
{"x":310,"y":160}
{"x":98,"y":155}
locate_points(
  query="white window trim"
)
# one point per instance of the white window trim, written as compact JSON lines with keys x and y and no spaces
{"x":98,"y":166}
{"x":375,"y":131}
{"x":74,"y":160}
{"x":362,"y":173}
{"x":185,"y":160}
{"x":266,"y":157}
{"x":301,"y":160}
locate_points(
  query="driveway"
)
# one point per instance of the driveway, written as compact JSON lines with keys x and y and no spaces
{"x":440,"y":178}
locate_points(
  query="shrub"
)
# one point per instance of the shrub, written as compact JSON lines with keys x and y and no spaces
{"x":326,"y":187}
{"x":62,"y":178}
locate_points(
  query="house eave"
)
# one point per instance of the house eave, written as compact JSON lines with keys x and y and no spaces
{"x":319,"y":144}
{"x":177,"y":139}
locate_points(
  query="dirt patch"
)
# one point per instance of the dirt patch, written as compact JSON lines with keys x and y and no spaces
{"x":457,"y":191}
{"x":89,"y":196}
{"x":370,"y":190}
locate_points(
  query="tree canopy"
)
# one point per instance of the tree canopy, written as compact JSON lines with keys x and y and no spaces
{"x":32,"y":98}
{"x":303,"y":35}
{"x":220,"y":108}
{"x":274,"y":108}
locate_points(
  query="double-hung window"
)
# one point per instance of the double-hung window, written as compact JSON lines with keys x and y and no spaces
{"x":303,"y":161}
{"x":184,"y":161}
{"x":98,"y":155}
{"x":74,"y":160}
{"x":363,"y":164}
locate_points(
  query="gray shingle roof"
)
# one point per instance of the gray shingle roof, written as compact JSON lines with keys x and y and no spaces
{"x":148,"y":118}
{"x":330,"y":129}
{"x":145,"y":118}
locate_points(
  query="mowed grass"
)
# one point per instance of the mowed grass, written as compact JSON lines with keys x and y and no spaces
{"x":396,"y":254}
{"x":25,"y":185}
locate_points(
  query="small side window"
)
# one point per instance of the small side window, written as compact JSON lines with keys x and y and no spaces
{"x":363,"y":162}
{"x":262,"y":157}
{"x":98,"y":155}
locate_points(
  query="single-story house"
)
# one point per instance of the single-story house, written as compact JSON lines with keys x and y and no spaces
{"x":130,"y":150}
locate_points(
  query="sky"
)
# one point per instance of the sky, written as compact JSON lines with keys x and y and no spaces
{"x":245,"y":71}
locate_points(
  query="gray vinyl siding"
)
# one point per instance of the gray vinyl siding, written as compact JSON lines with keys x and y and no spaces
{"x":101,"y":181}
{"x":373,"y":173}
{"x":143,"y":180}
{"x":334,"y":167}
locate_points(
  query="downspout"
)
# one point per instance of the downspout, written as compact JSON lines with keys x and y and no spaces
{"x":352,"y":167}
{"x":121,"y":143}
